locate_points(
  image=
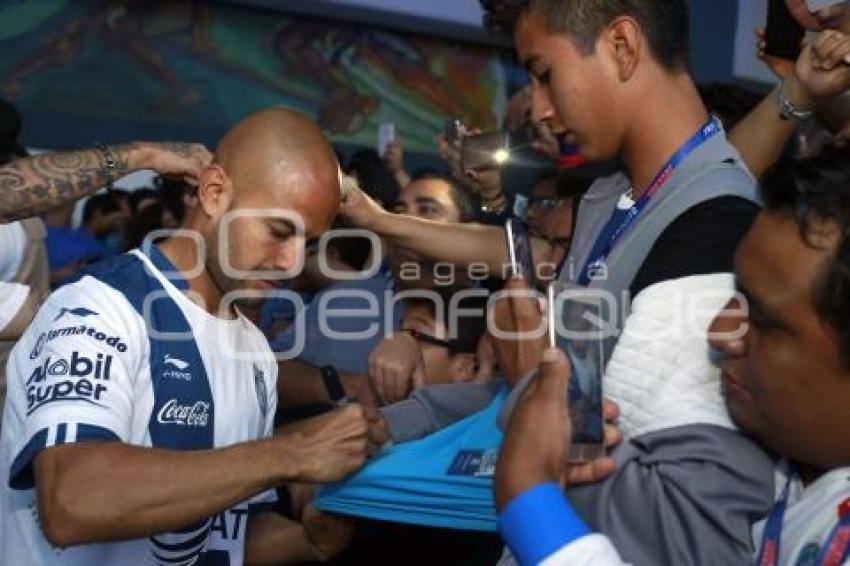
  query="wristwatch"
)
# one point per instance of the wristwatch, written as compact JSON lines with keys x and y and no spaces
{"x":333,"y":385}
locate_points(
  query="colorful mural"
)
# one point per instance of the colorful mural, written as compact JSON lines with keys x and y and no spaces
{"x":170,"y":65}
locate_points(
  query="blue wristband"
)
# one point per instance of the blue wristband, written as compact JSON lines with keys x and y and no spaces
{"x":539,"y":522}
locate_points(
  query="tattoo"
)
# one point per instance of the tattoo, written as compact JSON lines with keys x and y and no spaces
{"x":34,"y":185}
{"x":181,"y":149}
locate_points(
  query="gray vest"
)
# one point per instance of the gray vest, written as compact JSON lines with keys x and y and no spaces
{"x":684,"y":190}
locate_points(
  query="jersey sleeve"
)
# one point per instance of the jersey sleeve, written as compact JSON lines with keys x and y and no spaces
{"x":72,"y":374}
{"x":12,"y":298}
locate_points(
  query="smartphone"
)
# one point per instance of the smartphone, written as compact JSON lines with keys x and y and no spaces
{"x":484,"y":151}
{"x":817,"y":5}
{"x":577,"y":326}
{"x":453,"y":129}
{"x":783,"y":34}
{"x":519,"y":252}
{"x":386,"y":136}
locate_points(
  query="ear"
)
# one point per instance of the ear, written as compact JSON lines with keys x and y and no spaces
{"x":462,"y":368}
{"x":214,"y":191}
{"x":624,"y":41}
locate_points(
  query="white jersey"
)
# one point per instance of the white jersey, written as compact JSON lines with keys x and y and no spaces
{"x":811,"y":515}
{"x":13,"y":241}
{"x":123,"y":355}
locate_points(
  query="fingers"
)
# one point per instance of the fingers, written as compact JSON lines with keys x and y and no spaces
{"x":554,"y":374}
{"x":610,"y":410}
{"x":613,"y":435}
{"x":418,"y":378}
{"x":594,"y":471}
{"x":830,"y":49}
{"x":524,"y":306}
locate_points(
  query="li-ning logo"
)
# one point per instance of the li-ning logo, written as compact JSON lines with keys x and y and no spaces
{"x":197,"y":414}
{"x":79,"y":311}
{"x":179,"y":364}
{"x":178,"y":371}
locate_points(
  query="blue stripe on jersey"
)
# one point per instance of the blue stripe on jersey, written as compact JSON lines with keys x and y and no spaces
{"x":183,"y":411}
{"x":183,"y":415}
{"x":21,"y":476}
{"x":188,"y":544}
{"x":192,"y":544}
{"x":60,"y":433}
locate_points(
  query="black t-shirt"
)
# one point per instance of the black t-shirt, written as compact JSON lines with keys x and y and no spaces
{"x":701,"y":241}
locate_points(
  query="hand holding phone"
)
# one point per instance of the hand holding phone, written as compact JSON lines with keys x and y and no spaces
{"x":571,"y":310}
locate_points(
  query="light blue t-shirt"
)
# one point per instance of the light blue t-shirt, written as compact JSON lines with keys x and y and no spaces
{"x":443,"y":480}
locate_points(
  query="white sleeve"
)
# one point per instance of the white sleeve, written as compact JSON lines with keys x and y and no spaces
{"x":71,"y":377}
{"x":12,"y":298}
{"x":591,"y":550}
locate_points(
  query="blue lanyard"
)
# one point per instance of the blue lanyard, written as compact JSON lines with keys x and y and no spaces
{"x":835,"y":552}
{"x":707,"y":131}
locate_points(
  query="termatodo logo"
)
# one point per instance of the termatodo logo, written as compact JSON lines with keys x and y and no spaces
{"x":115,"y":342}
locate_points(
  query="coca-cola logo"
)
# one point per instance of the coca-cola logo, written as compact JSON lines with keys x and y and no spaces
{"x":196,"y":414}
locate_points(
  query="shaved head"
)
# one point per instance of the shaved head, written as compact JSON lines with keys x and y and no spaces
{"x":276,"y":144}
{"x":273,"y":185}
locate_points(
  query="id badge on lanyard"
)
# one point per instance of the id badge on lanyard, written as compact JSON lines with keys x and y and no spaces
{"x":835,"y":552}
{"x":707,"y":131}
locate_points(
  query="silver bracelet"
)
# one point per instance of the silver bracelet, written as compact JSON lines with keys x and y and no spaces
{"x":109,"y":162}
{"x":787,"y":110}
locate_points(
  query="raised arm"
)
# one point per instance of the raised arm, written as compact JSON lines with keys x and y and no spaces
{"x":460,"y":244}
{"x":34,"y":185}
{"x":822,"y":71}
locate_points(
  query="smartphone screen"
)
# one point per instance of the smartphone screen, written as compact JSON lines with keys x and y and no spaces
{"x":578,"y":326}
{"x":386,"y":136}
{"x":519,"y":252}
{"x":453,"y":129}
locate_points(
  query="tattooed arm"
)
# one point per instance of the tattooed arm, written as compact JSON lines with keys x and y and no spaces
{"x":34,"y":185}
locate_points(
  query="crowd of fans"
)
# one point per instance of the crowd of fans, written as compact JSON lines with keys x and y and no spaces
{"x":278,"y":355}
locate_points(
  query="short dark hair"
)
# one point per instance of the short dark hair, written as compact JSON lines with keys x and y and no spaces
{"x":664,"y":23}
{"x":373,"y":177}
{"x":818,"y":190}
{"x":106,"y":203}
{"x":466,"y":203}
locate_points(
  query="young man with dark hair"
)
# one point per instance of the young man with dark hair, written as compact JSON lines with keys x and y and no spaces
{"x":785,"y":366}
